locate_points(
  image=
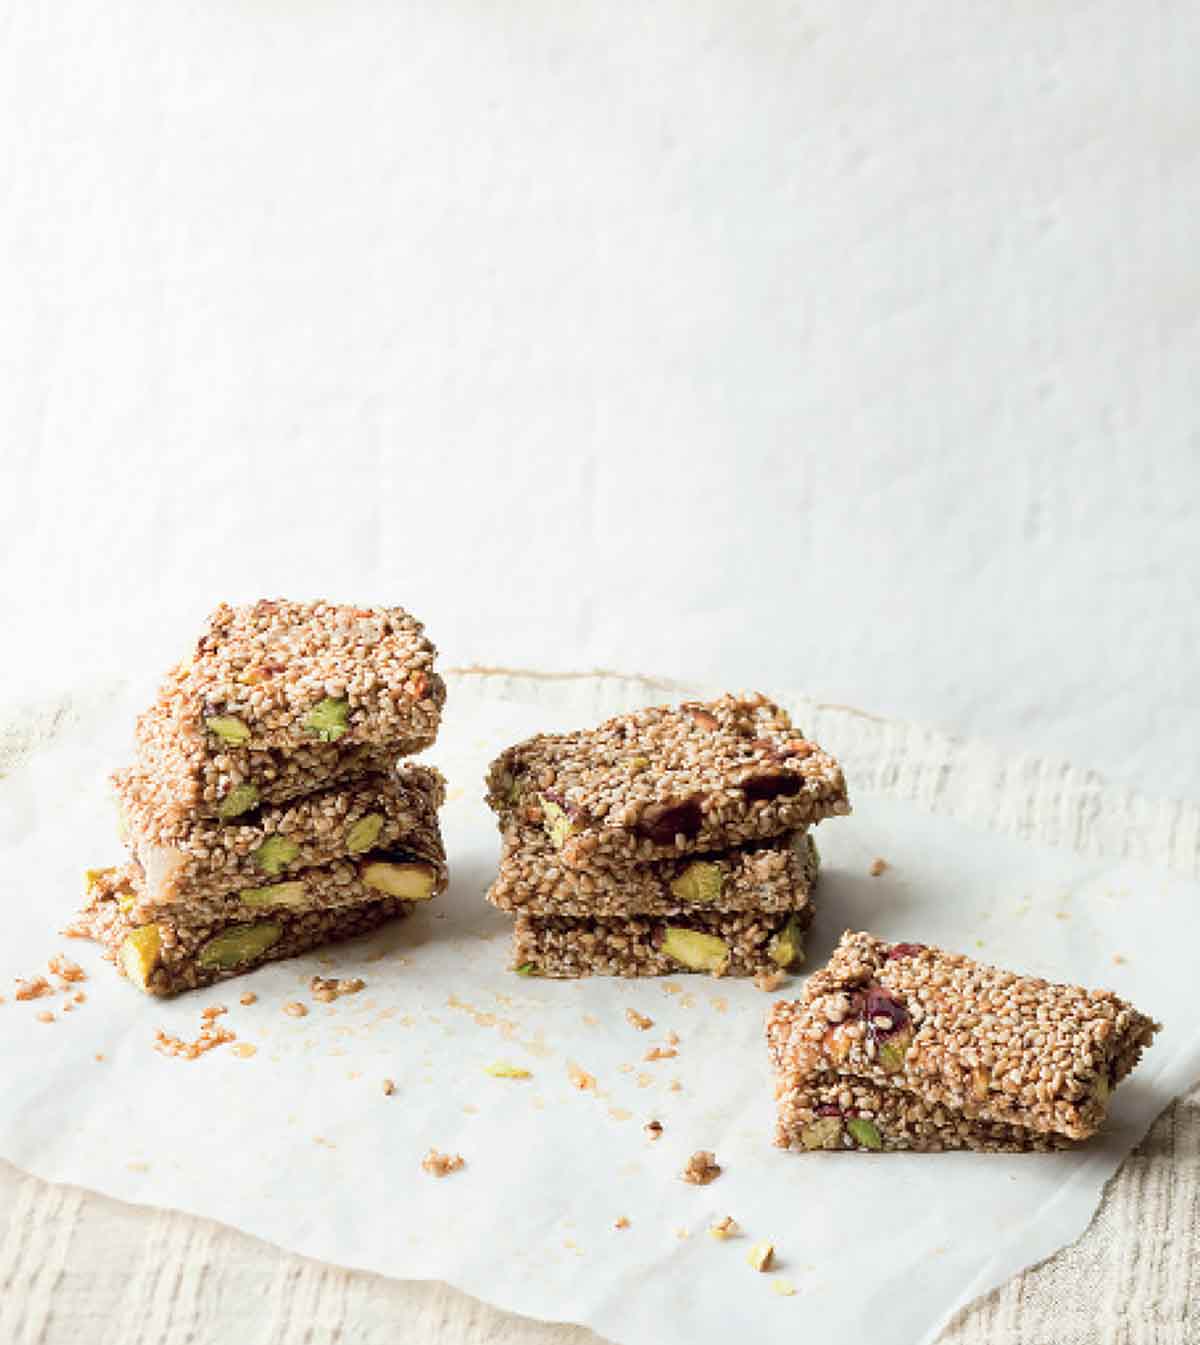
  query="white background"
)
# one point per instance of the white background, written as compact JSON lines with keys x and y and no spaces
{"x":852,"y":347}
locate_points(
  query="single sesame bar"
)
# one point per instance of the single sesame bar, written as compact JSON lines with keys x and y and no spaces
{"x":734,"y":943}
{"x":184,"y":950}
{"x":668,"y":781}
{"x":833,"y":1112}
{"x":188,"y":860}
{"x":986,"y":1044}
{"x":291,"y":674}
{"x":772,"y":875}
{"x":198,"y":774}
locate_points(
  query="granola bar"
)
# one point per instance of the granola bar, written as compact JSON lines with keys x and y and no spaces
{"x":187,"y":860}
{"x":288,"y":674}
{"x":668,"y":781}
{"x":773,"y":875}
{"x":983,"y":1043}
{"x":735,"y":943}
{"x":827,"y":1111}
{"x":184,"y":950}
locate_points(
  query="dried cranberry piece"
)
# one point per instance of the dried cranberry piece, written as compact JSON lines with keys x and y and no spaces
{"x":827,"y":1109}
{"x":760,"y":788}
{"x":904,"y":950}
{"x":881,"y":1005}
{"x":663,"y":822}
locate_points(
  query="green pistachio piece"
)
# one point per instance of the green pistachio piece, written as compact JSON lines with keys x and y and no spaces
{"x":557,"y":824}
{"x":892,"y":1051}
{"x":411,"y":881}
{"x":240,"y":944}
{"x":864,"y":1132}
{"x":239,"y":800}
{"x":139,"y":954}
{"x":328,"y":719}
{"x":526,"y":969}
{"x":786,"y":949}
{"x":228,"y":729}
{"x":277,"y":894}
{"x":824,"y":1133}
{"x":274,"y":854}
{"x":700,"y":883}
{"x":364,"y":833}
{"x":700,"y":952}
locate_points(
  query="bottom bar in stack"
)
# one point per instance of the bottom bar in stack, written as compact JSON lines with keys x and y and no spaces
{"x":182,"y":947}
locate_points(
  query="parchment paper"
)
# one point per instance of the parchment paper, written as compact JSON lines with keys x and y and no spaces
{"x":297,"y":1144}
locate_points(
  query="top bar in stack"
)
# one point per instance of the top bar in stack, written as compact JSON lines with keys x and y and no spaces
{"x":903,"y":1046}
{"x":668,"y":781}
{"x":282,"y":698}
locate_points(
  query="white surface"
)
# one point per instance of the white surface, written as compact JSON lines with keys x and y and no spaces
{"x":845,"y":346}
{"x":528,"y":1224}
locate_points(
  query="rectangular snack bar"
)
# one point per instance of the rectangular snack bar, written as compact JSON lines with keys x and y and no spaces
{"x":983,"y":1043}
{"x":831,"y":1112}
{"x":172,"y":954}
{"x":185,"y":861}
{"x":736,"y":943}
{"x":668,"y":781}
{"x":290,"y":674}
{"x":765,"y":876}
{"x":198,"y":774}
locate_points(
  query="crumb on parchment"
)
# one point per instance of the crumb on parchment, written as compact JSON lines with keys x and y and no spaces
{"x":660,"y":1053}
{"x":761,"y":1256}
{"x":878,"y":867}
{"x":723,"y":1228}
{"x":639,"y":1020}
{"x":389,"y":1087}
{"x":34,"y":988}
{"x":622,"y":1222}
{"x":328,"y":988}
{"x":440,"y":1164}
{"x":770,"y":981}
{"x":294,"y":1009}
{"x":653,"y":1129}
{"x":701,"y":1168}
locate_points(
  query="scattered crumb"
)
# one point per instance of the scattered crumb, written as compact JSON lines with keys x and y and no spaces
{"x":442,"y":1165}
{"x":243,"y":1050}
{"x":878,"y":866}
{"x":329,"y":988}
{"x":389,"y":1087}
{"x":580,"y":1078}
{"x":33,"y":989}
{"x":1062,"y":915}
{"x":211,"y":1036}
{"x":99,"y":1056}
{"x":784,"y":1288}
{"x":213,"y":1011}
{"x":653,"y":1129}
{"x":138,"y":1167}
{"x":644,"y":1080}
{"x":672,"y":1038}
{"x":249,"y":998}
{"x":639,"y":1020}
{"x":701,"y":1168}
{"x":622,"y":1222}
{"x":619,"y":1113}
{"x":674,"y":1086}
{"x":80,"y":997}
{"x":682,"y":1233}
{"x":323,"y":1142}
{"x":723,"y":1228}
{"x":67,"y":970}
{"x":505,"y":1069}
{"x":660,"y":1053}
{"x":1120,"y":959}
{"x":720,"y":1004}
{"x":671,"y":988}
{"x":68,"y":1007}
{"x":45,"y":1016}
{"x":770,"y":981}
{"x":761,"y":1256}
{"x":295,"y":1009}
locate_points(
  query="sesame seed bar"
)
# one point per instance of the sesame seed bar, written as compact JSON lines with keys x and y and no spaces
{"x":668,"y":781}
{"x":736,"y":943}
{"x":832,"y":1112}
{"x":200,"y":775}
{"x":987,"y":1044}
{"x":184,"y":861}
{"x":290,"y":674}
{"x":180,"y":951}
{"x":766,"y":876}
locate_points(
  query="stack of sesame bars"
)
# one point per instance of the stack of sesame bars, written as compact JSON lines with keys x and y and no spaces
{"x":671,"y":839}
{"x":267,"y":811}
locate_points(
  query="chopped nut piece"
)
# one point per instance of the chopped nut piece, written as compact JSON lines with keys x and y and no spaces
{"x":761,"y":1256}
{"x":293,"y":894}
{"x":441,"y":1165}
{"x":639,"y":1020}
{"x":505,"y":1069}
{"x":622,"y":1222}
{"x":364,"y":833}
{"x":723,"y":1228}
{"x":770,"y":981}
{"x":878,"y":866}
{"x":389,"y":1087}
{"x":229,"y":729}
{"x":702,"y":1168}
{"x":653,"y":1129}
{"x":413,"y":881}
{"x":699,"y":884}
{"x":274,"y":854}
{"x":240,"y":799}
{"x":249,"y":998}
{"x":239,"y":943}
{"x":699,"y":952}
{"x":328,"y":719}
{"x":33,"y":989}
{"x":660,"y":1053}
{"x":295,"y":1009}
